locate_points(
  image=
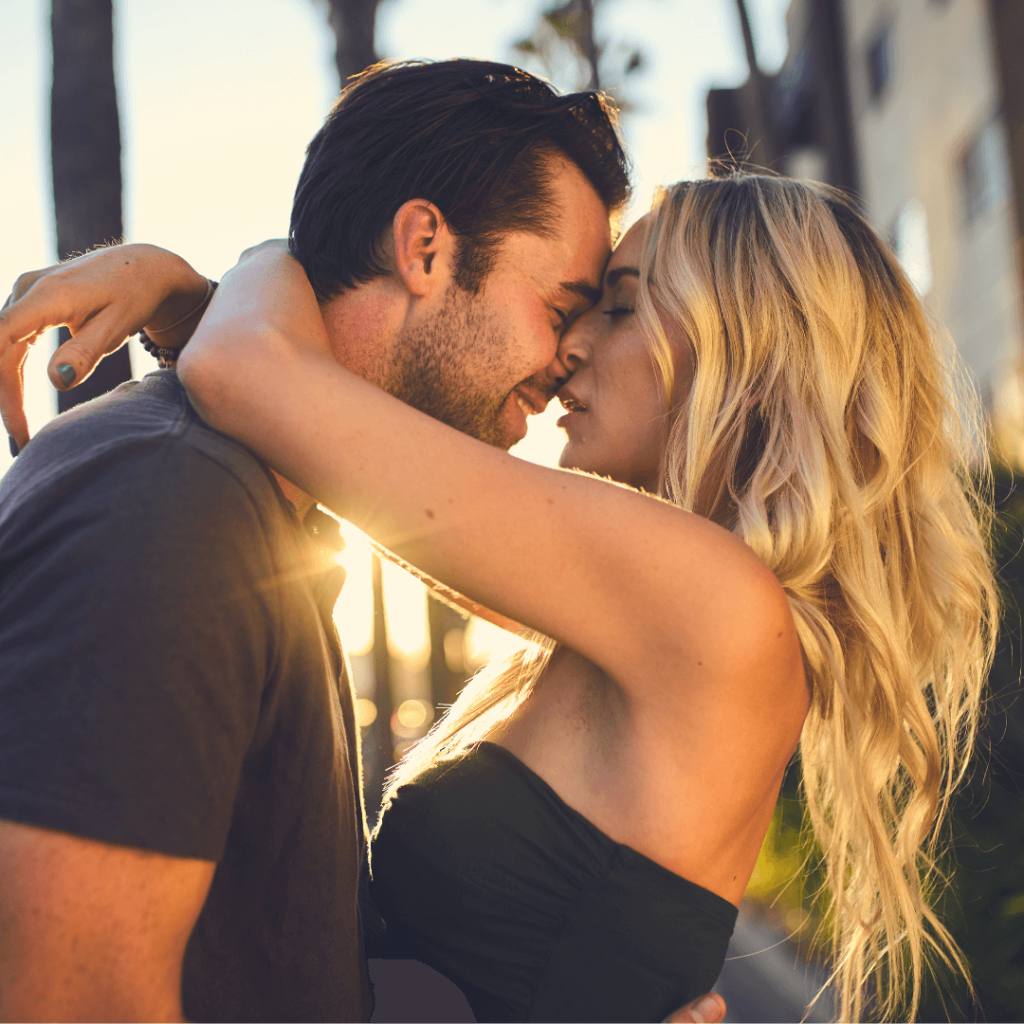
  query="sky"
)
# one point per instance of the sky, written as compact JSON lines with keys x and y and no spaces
{"x":218,"y":99}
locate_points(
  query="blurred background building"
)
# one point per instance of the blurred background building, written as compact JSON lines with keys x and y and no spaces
{"x":910,"y":106}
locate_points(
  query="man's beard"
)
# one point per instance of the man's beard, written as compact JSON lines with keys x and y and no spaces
{"x":454,"y":368}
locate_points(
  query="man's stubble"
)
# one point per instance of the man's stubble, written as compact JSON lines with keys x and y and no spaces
{"x":457,"y":367}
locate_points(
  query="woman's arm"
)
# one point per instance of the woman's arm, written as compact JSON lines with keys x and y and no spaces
{"x":646,"y":591}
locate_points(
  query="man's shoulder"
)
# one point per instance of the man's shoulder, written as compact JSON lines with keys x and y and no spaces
{"x":144,"y":438}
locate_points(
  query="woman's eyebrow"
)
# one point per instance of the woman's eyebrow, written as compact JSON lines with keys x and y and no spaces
{"x":616,"y":275}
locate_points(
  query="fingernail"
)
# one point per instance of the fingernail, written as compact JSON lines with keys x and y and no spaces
{"x":14,"y":446}
{"x":706,"y":1010}
{"x":66,"y":374}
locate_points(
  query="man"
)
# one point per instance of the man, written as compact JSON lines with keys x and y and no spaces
{"x":179,"y":784}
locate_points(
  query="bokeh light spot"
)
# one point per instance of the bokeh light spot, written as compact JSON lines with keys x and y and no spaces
{"x":366,"y":712}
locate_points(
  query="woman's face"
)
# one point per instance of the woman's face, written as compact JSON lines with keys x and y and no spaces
{"x":616,"y":421}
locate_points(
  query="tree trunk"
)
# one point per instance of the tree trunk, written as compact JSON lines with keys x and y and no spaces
{"x":588,"y":44}
{"x":85,"y":144}
{"x":765,"y":140}
{"x":835,"y":119}
{"x":445,"y":683}
{"x":353,"y":22}
{"x":1006,"y":21}
{"x":381,"y":694}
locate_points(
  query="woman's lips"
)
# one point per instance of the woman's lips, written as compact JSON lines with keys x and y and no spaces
{"x":574,"y":409}
{"x":570,"y":419}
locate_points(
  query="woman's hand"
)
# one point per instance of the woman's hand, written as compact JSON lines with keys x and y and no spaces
{"x":708,"y":1009}
{"x":268,"y":289}
{"x":104,"y":297}
{"x":264,"y":310}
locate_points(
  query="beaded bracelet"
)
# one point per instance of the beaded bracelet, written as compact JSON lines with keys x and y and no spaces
{"x":167,"y":358}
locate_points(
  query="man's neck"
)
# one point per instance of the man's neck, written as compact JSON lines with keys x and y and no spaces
{"x":361,"y":323}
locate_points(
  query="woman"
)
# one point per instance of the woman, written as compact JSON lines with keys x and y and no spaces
{"x":815,"y":574}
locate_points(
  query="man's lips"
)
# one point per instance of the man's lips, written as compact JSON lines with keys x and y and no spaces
{"x":523,"y":401}
{"x":527,"y":402}
{"x":530,"y":400}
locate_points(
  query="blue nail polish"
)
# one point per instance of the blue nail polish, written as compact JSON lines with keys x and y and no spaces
{"x":66,"y":374}
{"x":14,"y":446}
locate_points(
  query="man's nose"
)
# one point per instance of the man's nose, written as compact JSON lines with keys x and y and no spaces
{"x":574,"y":348}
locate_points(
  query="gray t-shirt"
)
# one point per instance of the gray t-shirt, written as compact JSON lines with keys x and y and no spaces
{"x":171,"y":680}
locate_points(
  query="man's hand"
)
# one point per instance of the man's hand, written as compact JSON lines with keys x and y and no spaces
{"x":708,"y":1009}
{"x":90,"y":931}
{"x":104,"y":298}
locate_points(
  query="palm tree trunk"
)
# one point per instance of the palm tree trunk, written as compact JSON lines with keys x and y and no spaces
{"x":354,"y":23}
{"x":588,"y":44}
{"x":1006,"y":24}
{"x":85,"y":143}
{"x":762,"y":101}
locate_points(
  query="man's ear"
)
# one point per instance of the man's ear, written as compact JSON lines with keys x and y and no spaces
{"x":424,"y":247}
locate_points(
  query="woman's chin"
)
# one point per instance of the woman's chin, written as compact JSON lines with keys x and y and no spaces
{"x":572,"y":460}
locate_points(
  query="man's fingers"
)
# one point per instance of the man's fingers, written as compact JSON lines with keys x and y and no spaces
{"x":709,"y":1009}
{"x":12,"y":392}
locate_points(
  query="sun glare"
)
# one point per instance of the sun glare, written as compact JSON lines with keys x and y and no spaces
{"x":353,"y":614}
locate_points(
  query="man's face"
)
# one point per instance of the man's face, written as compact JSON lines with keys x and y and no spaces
{"x":482,"y":363}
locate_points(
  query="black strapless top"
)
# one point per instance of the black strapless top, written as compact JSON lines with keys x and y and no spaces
{"x":483,"y":872}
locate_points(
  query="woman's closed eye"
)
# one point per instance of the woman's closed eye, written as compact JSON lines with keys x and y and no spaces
{"x":617,"y":311}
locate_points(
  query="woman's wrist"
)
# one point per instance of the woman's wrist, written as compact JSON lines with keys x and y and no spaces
{"x":187,"y":294}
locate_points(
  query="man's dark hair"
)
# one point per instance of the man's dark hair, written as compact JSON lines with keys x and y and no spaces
{"x":472,"y":137}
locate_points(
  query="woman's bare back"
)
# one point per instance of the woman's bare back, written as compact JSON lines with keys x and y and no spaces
{"x":691,"y":787}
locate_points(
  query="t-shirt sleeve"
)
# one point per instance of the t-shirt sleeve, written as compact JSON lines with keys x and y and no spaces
{"x":136,"y":617}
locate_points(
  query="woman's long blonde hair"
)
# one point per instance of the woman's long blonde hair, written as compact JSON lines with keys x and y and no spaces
{"x":829,"y":429}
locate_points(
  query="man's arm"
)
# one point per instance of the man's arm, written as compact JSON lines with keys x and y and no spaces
{"x":91,"y":931}
{"x":133,"y":649}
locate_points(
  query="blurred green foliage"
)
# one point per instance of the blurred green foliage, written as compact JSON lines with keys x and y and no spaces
{"x":983,"y":904}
